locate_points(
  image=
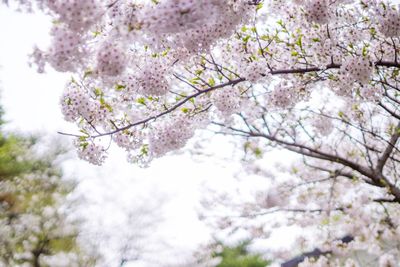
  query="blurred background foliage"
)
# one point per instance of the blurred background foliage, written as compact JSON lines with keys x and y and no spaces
{"x":34,"y":227}
{"x":239,"y":256}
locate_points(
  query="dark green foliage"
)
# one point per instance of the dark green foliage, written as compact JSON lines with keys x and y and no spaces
{"x":12,"y":153}
{"x":239,"y":256}
{"x":13,"y":150}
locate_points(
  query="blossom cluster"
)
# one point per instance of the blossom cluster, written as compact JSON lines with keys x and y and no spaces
{"x":135,"y":61}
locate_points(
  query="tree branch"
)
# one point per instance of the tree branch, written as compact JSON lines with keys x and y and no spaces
{"x":386,"y":153}
{"x":229,"y":83}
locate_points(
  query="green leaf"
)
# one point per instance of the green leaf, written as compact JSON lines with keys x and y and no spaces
{"x":258,"y":152}
{"x":144,"y":150}
{"x":87,"y":73}
{"x":98,"y":92}
{"x":141,"y":100}
{"x":246,"y":38}
{"x":96,"y":33}
{"x":119,"y":87}
{"x":211,"y":81}
{"x":299,"y":41}
{"x":104,"y":104}
{"x":194,"y":80}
